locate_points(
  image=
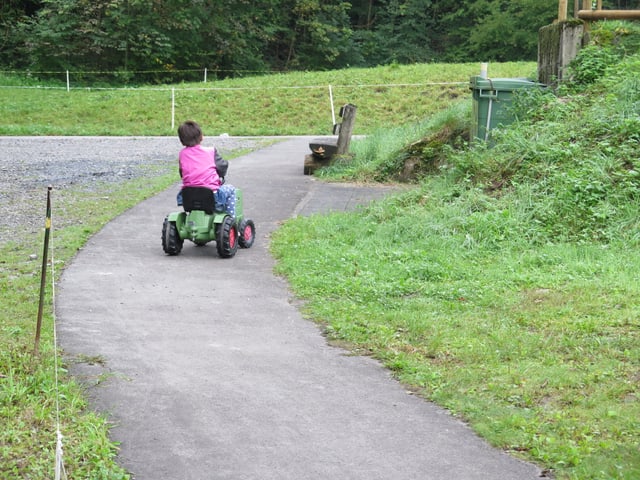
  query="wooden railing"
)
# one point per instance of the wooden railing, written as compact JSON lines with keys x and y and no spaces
{"x":588,"y":14}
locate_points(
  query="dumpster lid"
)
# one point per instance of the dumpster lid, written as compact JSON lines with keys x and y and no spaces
{"x":507,"y":84}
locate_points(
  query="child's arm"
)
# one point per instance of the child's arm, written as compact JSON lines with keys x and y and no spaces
{"x":221,"y":165}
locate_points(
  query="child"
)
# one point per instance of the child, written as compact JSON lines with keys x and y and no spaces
{"x":204,"y":167}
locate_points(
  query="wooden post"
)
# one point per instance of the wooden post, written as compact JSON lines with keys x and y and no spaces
{"x":586,"y":5}
{"x":43,"y":272}
{"x":324,"y":150}
{"x":348,"y":114}
{"x":562,"y":10}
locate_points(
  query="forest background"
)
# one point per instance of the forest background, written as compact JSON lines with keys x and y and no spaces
{"x":162,"y":39}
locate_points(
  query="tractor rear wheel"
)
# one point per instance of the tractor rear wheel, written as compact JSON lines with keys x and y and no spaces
{"x":171,"y":241}
{"x":227,"y":238}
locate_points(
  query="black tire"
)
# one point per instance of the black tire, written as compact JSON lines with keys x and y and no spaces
{"x":247,"y":233}
{"x":171,"y":241}
{"x":227,"y":238}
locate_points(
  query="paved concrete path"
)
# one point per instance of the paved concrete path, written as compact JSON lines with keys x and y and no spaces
{"x":208,"y":371}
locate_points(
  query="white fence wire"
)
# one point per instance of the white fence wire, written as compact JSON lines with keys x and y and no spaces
{"x":174,"y":91}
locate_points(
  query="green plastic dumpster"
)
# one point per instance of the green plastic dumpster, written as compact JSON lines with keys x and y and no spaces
{"x":492,"y":101}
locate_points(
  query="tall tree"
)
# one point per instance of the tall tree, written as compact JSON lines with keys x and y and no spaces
{"x":499,"y":30}
{"x":14,"y":13}
{"x":404,"y":31}
{"x":238,"y":33}
{"x":245,"y":36}
{"x":128,"y":34}
{"x":316,"y":35}
{"x":388,"y":31}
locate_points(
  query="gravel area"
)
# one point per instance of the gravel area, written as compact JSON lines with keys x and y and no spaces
{"x":28,"y":165}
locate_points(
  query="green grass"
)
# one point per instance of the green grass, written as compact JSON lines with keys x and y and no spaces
{"x":292,"y":104}
{"x":503,"y":285}
{"x":536,"y":347}
{"x":28,"y":390}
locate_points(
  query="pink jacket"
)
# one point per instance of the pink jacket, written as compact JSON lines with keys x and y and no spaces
{"x":198,"y":167}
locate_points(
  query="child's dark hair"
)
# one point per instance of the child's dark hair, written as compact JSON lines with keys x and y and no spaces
{"x":190,"y":133}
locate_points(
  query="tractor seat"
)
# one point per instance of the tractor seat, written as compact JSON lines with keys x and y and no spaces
{"x":198,"y":198}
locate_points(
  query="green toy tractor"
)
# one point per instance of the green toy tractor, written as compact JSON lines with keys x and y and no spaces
{"x":201,"y":223}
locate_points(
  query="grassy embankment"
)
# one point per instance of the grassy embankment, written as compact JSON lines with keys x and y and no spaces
{"x":504,"y":286}
{"x":288,"y":104}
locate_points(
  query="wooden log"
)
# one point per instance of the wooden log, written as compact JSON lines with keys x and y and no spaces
{"x":348,"y":114}
{"x":609,"y":14}
{"x":586,"y":5}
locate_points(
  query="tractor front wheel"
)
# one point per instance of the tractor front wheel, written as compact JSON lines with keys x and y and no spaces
{"x":247,"y":233}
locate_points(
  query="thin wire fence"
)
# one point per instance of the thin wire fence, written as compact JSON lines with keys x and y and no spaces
{"x":311,"y":111}
{"x":70,"y":87}
{"x":94,"y":78}
{"x":71,"y":80}
{"x":156,"y":112}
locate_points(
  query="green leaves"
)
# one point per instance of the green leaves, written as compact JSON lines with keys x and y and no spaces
{"x":239,"y":37}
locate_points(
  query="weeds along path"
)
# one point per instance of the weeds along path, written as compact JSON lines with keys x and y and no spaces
{"x":208,"y":370}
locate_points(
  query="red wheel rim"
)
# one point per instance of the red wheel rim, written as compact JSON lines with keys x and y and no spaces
{"x":232,"y":238}
{"x":247,"y":232}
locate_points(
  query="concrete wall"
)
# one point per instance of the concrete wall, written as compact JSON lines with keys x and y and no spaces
{"x":558,"y":45}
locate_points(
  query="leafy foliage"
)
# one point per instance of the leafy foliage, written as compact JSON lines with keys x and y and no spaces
{"x":406,"y":153}
{"x":581,"y":168}
{"x":400,"y":28}
{"x":495,"y":30}
{"x":611,"y":41}
{"x":235,"y":37}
